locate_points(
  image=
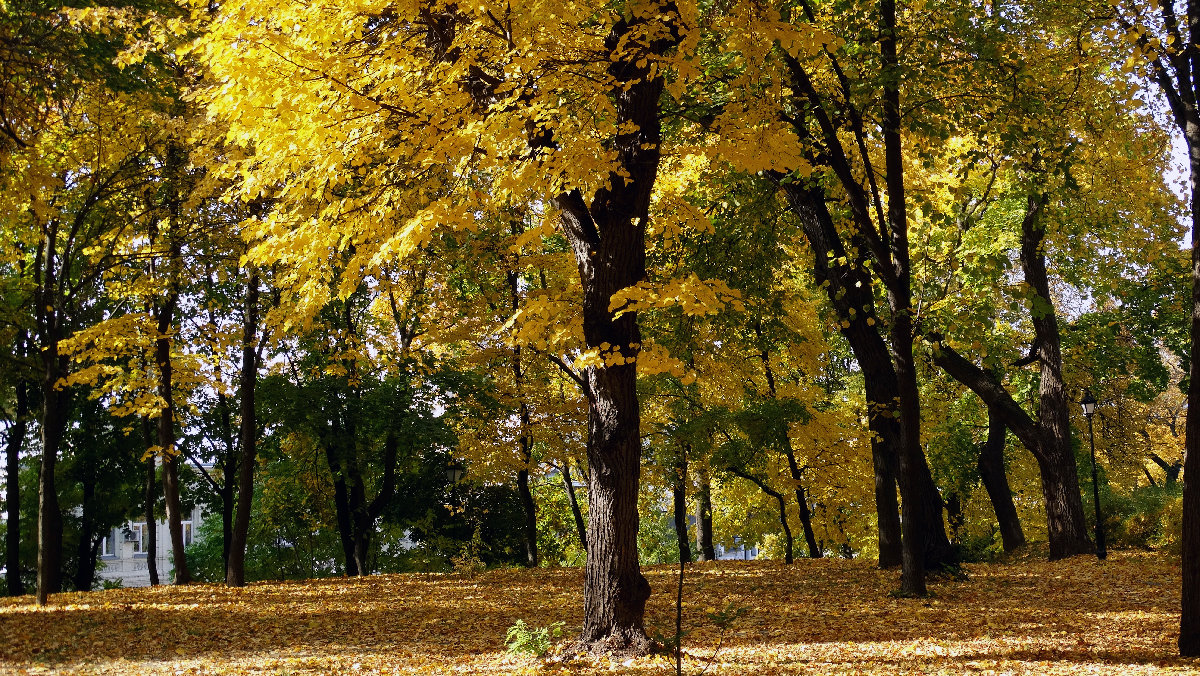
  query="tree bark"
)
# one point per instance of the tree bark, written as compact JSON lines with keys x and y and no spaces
{"x":341,"y":501}
{"x":55,"y":402}
{"x":575,"y":510}
{"x":12,"y":492}
{"x":1060,"y":485}
{"x":166,"y":438}
{"x":995,"y":481}
{"x":150,"y":535}
{"x":149,"y":498}
{"x":1175,"y":75}
{"x":1064,"y":505}
{"x":1049,"y":437}
{"x":525,"y":441}
{"x":680,"y":511}
{"x":608,"y":239}
{"x":848,"y":286}
{"x":704,"y":522}
{"x":235,"y":570}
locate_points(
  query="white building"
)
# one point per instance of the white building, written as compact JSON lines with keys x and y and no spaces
{"x":123,"y":551}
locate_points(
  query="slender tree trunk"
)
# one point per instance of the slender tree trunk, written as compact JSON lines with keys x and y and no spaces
{"x":788,"y":539}
{"x":814,"y":550}
{"x":810,"y":538}
{"x":679,"y":500}
{"x":235,"y":571}
{"x":995,"y":480}
{"x":149,"y":497}
{"x":229,"y":472}
{"x":575,"y":510}
{"x":525,"y":441}
{"x":704,"y":522}
{"x":166,"y":440}
{"x":12,"y":493}
{"x":55,"y":402}
{"x":85,"y":570}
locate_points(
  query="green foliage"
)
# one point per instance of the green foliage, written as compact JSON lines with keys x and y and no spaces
{"x":1149,"y":517}
{"x":523,"y":639}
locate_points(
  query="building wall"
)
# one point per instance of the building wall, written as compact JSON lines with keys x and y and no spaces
{"x":123,"y":552}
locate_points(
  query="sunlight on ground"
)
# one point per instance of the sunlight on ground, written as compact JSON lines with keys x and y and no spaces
{"x":828,"y":616}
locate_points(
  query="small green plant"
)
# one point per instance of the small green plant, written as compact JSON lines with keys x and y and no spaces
{"x":524,"y":639}
{"x":115,"y":583}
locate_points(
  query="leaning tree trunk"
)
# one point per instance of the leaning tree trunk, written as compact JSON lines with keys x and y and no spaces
{"x":608,"y":239}
{"x":1060,"y":485}
{"x":848,"y":285}
{"x":235,"y":570}
{"x":995,"y":481}
{"x":810,"y":539}
{"x":12,"y":492}
{"x":704,"y":521}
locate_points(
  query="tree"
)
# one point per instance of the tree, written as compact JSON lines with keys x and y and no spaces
{"x":1164,"y":47}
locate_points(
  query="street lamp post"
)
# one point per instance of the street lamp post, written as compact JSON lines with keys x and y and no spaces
{"x":1089,"y":407}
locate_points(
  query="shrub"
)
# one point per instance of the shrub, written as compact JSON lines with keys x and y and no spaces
{"x":524,"y":639}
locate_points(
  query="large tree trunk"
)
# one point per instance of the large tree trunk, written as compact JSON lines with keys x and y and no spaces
{"x":576,"y":512}
{"x":1189,"y":623}
{"x":1064,"y":505}
{"x":235,"y":570}
{"x":704,"y":522}
{"x":12,"y":492}
{"x":917,"y":490}
{"x":608,"y":239}
{"x":1174,"y":73}
{"x":995,"y":481}
{"x":166,"y":439}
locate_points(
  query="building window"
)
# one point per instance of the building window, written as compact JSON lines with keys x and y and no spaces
{"x":187,"y":533}
{"x":108,"y":544}
{"x":136,"y":535}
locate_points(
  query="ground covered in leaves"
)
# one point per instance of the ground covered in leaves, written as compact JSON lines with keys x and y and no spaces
{"x":826,"y":616}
